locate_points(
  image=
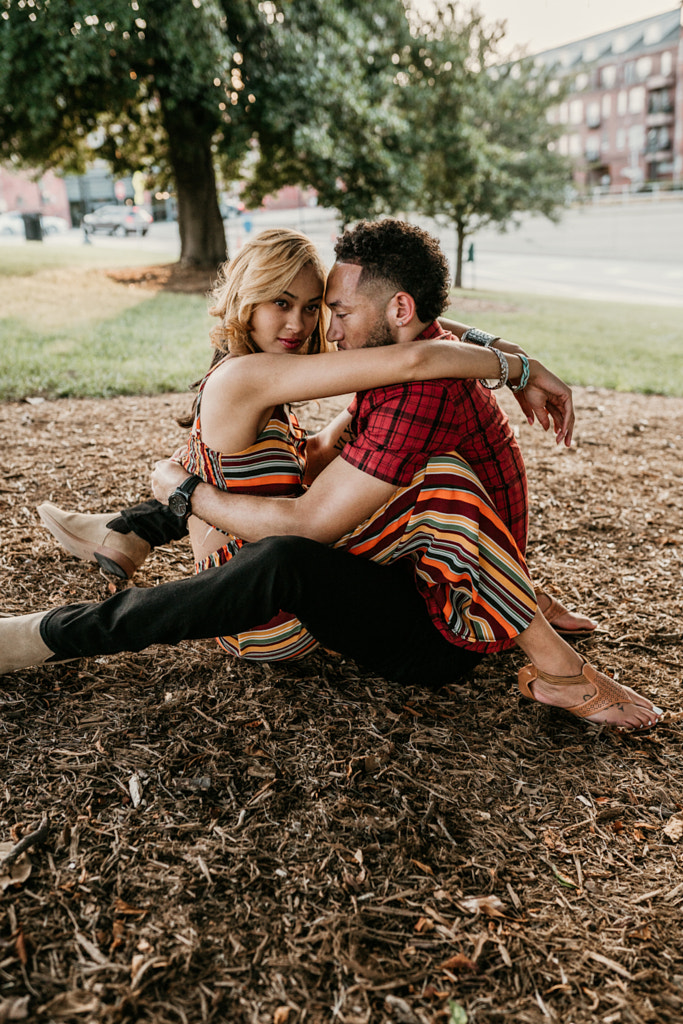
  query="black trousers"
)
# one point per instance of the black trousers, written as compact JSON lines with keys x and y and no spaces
{"x":364,"y":611}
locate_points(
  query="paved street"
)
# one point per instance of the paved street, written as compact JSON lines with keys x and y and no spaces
{"x":630,"y":252}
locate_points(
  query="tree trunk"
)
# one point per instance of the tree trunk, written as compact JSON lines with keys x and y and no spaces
{"x":460,"y":229}
{"x":202,"y":235}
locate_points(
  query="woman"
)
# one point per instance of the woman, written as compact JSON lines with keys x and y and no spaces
{"x":269,"y":303}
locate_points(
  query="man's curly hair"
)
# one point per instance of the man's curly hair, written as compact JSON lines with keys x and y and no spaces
{"x":399,"y":256}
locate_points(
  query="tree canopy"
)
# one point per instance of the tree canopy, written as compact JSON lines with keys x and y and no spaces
{"x":485,"y":144}
{"x":377,"y":111}
{"x":184,"y":87}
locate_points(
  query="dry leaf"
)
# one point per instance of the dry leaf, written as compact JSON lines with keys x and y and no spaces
{"x":66,"y":1004}
{"x":423,"y":867}
{"x":458,"y":962}
{"x":281,"y":1015}
{"x":424,"y":924}
{"x":674,"y":828}
{"x":490,"y":905}
{"x":17,"y":872}
{"x":14,"y":1009}
{"x":135,"y":787}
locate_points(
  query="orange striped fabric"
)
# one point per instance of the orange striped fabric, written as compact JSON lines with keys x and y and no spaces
{"x":467,"y":566}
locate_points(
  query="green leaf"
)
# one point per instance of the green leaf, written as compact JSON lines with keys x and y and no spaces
{"x":458,"y":1014}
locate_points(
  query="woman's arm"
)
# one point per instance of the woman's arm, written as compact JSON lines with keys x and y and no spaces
{"x":266,"y":380}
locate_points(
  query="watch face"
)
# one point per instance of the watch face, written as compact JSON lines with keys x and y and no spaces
{"x":178,"y":503}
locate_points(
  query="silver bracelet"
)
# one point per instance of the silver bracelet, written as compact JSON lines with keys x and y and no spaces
{"x":504,"y":371}
{"x":477,"y":337}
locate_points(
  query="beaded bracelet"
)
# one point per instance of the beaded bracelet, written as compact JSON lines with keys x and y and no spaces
{"x":524,"y":379}
{"x":504,"y":371}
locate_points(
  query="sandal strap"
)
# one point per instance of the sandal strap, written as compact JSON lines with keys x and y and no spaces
{"x":555,"y":609}
{"x":607,"y":694}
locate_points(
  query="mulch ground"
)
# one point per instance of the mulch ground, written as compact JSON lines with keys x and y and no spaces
{"x":238,"y":843}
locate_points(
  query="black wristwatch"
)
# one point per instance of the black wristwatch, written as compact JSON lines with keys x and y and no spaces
{"x":179,"y":500}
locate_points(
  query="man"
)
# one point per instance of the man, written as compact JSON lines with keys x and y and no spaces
{"x":380,"y":292}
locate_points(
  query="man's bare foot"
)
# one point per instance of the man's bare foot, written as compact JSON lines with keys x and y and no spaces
{"x":591,"y":695}
{"x":561,"y":618}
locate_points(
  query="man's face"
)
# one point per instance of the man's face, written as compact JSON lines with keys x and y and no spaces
{"x":358,"y":320}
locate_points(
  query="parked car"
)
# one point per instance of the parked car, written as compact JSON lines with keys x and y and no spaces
{"x":11,"y":223}
{"x":54,"y":225}
{"x":118,"y":220}
{"x":230,"y":210}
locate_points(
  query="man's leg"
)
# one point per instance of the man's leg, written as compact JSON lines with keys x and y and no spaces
{"x":118,"y":543}
{"x":364,"y":611}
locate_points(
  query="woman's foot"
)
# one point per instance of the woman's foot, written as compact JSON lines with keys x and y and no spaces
{"x":591,"y":695}
{"x":562,"y":619}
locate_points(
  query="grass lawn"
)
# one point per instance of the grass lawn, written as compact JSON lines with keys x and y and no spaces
{"x":604,"y":344}
{"x":66,"y":329}
{"x":72,"y":331}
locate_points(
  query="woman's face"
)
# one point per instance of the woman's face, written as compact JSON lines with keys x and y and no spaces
{"x":285,"y":324}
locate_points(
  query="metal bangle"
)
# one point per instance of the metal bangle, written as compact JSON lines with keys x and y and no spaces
{"x":524,"y":379}
{"x":477,"y":337}
{"x":504,"y":371}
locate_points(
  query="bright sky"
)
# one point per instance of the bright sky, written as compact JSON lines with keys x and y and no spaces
{"x":543,"y":24}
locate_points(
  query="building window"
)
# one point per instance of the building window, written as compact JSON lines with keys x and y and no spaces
{"x":621,"y":140}
{"x":592,"y":147}
{"x":643,"y":67}
{"x":636,"y":137}
{"x":658,"y":139}
{"x":606,"y":105}
{"x":621,"y":43}
{"x":666,"y":63}
{"x":593,"y":114}
{"x":636,"y":100}
{"x":660,"y":102}
{"x":608,"y":76}
{"x":622,"y":102}
{"x":575,"y":145}
{"x":581,"y":81}
{"x":576,"y":111}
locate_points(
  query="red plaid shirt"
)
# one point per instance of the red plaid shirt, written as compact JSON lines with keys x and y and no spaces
{"x":397,"y":428}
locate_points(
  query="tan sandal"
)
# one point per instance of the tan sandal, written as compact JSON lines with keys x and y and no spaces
{"x":555,"y":611}
{"x":608,"y":693}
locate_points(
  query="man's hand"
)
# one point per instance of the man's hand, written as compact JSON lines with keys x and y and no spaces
{"x":547,"y":397}
{"x":166,"y":476}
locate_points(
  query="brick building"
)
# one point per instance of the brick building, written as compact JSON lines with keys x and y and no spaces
{"x":623,"y":118}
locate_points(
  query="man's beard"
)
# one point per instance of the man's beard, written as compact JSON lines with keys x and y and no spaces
{"x":379,"y":334}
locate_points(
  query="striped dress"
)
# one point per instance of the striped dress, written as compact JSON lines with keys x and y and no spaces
{"x":467,"y":566}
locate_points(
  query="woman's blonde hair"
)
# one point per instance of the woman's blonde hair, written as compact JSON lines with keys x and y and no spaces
{"x":261,"y":271}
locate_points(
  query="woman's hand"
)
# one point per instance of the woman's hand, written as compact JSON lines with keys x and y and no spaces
{"x":166,"y":476}
{"x":547,"y":397}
